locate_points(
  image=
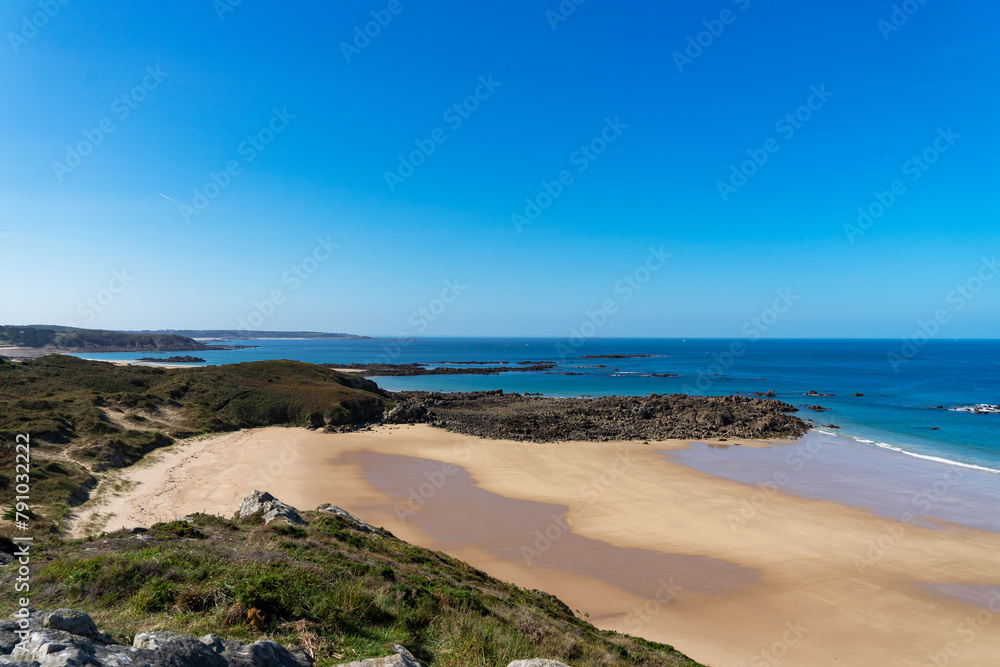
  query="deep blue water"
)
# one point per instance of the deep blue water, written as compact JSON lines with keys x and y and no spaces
{"x":898,"y":407}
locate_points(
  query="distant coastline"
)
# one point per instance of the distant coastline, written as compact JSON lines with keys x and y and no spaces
{"x":32,"y":341}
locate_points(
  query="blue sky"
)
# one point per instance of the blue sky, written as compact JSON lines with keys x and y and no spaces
{"x":302,"y":130}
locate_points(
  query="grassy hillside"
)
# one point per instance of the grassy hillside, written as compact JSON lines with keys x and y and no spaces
{"x":93,"y":340}
{"x":339,"y":593}
{"x":88,"y":416}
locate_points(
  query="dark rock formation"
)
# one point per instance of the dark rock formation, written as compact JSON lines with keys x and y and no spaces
{"x":398,"y":370}
{"x":493,"y":414}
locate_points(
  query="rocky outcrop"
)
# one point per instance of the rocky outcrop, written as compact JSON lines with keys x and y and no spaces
{"x":262,"y":502}
{"x":398,"y":370}
{"x":403,"y":658}
{"x":68,"y":638}
{"x":493,"y":414}
{"x":355,"y":522}
{"x":405,"y":413}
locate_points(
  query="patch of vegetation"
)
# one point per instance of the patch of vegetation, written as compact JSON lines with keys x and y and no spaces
{"x":92,"y":339}
{"x":339,"y":593}
{"x":86,"y":416}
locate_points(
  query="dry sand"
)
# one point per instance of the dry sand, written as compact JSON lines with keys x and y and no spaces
{"x":648,"y":547}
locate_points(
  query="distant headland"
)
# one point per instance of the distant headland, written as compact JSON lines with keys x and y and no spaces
{"x":35,"y":340}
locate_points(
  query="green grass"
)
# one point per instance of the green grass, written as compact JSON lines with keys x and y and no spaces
{"x":337,"y":592}
{"x":85,"y":417}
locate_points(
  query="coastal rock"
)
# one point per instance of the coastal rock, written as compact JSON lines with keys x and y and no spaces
{"x":271,"y":507}
{"x":353,"y":520}
{"x":261,"y":653}
{"x":534,"y":418}
{"x":406,"y":413}
{"x":48,"y":646}
{"x":401,"y":370}
{"x":403,"y":658}
{"x":73,"y":622}
{"x":169,"y":649}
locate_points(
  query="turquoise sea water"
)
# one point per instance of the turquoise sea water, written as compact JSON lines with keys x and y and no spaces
{"x":898,"y":409}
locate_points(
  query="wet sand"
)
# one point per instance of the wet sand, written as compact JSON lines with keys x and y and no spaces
{"x":730,"y":572}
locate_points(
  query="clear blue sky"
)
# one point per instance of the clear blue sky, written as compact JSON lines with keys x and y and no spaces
{"x":67,"y":229}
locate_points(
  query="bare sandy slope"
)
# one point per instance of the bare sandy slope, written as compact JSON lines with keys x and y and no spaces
{"x":801,"y":582}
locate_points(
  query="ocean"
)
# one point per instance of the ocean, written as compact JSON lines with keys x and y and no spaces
{"x":913,"y":396}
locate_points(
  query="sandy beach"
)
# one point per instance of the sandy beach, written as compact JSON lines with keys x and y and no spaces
{"x":728,"y":572}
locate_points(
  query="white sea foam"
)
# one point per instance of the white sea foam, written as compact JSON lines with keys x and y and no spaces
{"x":900,"y":450}
{"x":979,"y":409}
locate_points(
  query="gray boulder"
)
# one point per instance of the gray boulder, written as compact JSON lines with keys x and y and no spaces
{"x":403,"y":658}
{"x":7,"y":637}
{"x":73,"y":622}
{"x":261,"y":653}
{"x":168,"y":649}
{"x":53,"y":641}
{"x":271,"y":507}
{"x":353,"y":520}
